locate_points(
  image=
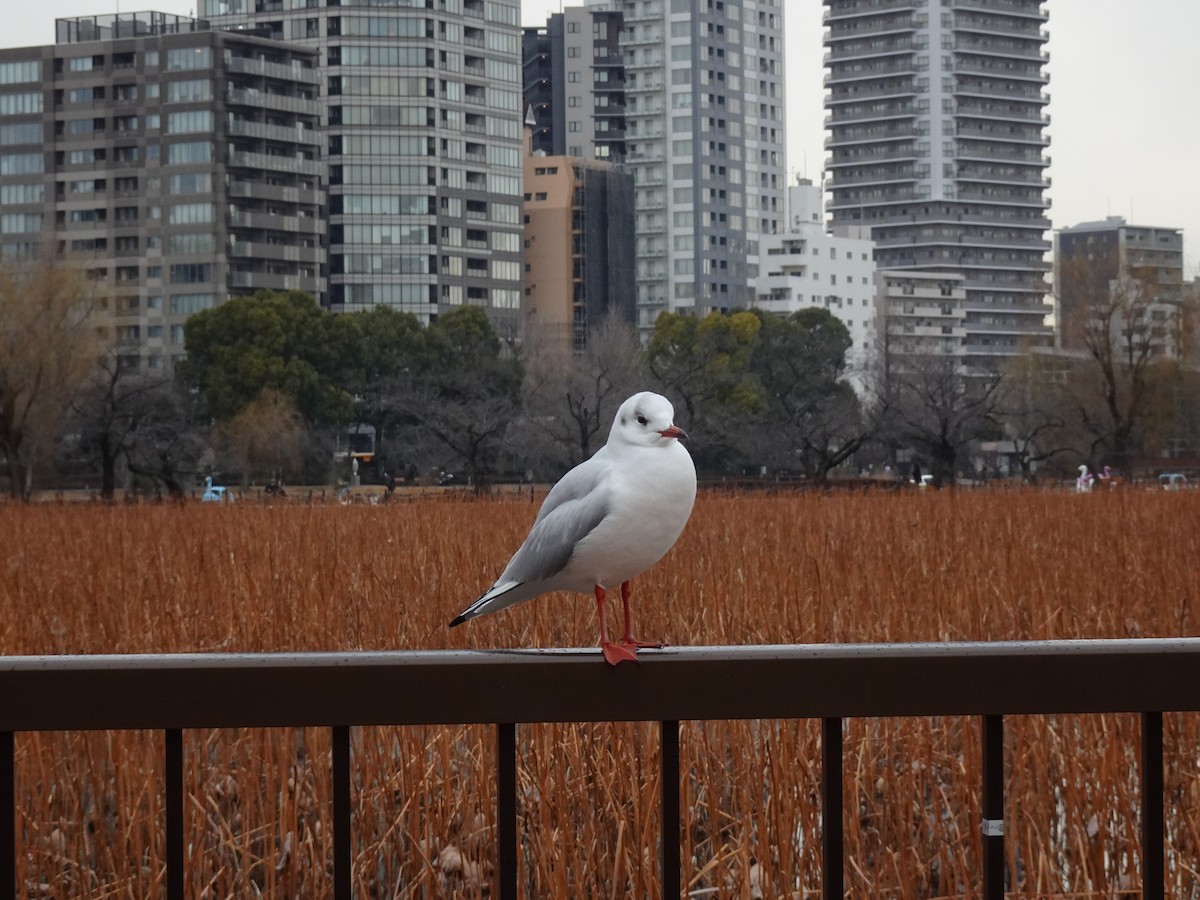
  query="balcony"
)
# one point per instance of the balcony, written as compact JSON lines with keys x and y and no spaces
{"x":1007,"y":7}
{"x":258,"y":190}
{"x":276,"y":252}
{"x":295,"y":72}
{"x":266,"y":162}
{"x":272,"y":281}
{"x":878,"y":7}
{"x":308,"y":137}
{"x":267,"y":100}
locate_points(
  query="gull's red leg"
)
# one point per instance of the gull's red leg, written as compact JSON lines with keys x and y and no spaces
{"x":613,"y":653}
{"x":627,"y":638}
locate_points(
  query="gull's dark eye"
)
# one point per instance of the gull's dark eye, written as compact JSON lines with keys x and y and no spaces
{"x":641,"y":420}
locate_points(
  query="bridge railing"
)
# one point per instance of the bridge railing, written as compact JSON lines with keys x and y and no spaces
{"x":171,"y":693}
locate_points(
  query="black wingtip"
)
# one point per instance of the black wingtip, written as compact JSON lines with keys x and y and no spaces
{"x":458,"y":620}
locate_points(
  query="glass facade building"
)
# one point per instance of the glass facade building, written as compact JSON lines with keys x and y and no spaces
{"x":421,"y":107}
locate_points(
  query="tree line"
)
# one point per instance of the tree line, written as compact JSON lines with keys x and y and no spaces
{"x":271,"y":382}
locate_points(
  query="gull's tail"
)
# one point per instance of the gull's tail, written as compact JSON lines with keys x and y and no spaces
{"x":497,"y":597}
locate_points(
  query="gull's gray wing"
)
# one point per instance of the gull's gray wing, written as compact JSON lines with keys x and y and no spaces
{"x":570,"y":512}
{"x":572,"y":509}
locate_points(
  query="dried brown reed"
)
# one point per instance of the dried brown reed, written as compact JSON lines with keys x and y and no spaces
{"x":749,"y":569}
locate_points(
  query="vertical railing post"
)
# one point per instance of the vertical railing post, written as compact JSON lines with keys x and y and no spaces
{"x":833,"y":876}
{"x":669,"y":788}
{"x":8,"y":817}
{"x":506,"y":808}
{"x":342,"y":875}
{"x":993,"y":807}
{"x":1153,"y":881}
{"x":173,"y":791}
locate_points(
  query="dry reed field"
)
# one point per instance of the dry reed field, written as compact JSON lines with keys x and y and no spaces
{"x":780,"y":568}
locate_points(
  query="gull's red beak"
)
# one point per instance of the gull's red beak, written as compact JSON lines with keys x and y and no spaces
{"x":673,"y":432}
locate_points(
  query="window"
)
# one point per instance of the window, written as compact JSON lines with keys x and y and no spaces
{"x":189,"y":91}
{"x":23,"y":133}
{"x":20,"y":104}
{"x":190,"y":273}
{"x":191,"y":183}
{"x":189,"y":153}
{"x":189,"y":213}
{"x":20,"y":223}
{"x":21,"y":193}
{"x":201,"y":242}
{"x":20,"y":72}
{"x":22,"y":163}
{"x":380,"y":55}
{"x":189,"y":122}
{"x":188,"y":58}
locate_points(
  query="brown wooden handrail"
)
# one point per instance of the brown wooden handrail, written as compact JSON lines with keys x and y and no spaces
{"x":826,"y":681}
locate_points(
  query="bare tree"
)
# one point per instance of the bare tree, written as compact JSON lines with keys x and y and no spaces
{"x":267,"y":436}
{"x":1037,"y":410}
{"x":167,"y":445}
{"x":940,"y":407}
{"x":1122,"y":322}
{"x":47,"y":349}
{"x":571,"y":398}
{"x":462,"y":397}
{"x":110,"y":411}
{"x":455,"y":420}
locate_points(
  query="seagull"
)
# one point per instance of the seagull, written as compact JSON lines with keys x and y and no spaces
{"x":607,"y":520}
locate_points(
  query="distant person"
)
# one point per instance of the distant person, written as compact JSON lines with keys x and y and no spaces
{"x":916,"y":473}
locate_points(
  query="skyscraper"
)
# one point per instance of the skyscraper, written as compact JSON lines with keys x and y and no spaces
{"x":936,"y":118}
{"x":575,"y":83}
{"x":178,"y":166}
{"x":422,"y":107}
{"x":704,"y":132}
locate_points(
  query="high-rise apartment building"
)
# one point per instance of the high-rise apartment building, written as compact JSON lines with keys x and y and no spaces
{"x":178,"y":166}
{"x":421,"y":103}
{"x":704,"y":129}
{"x":936,"y":132}
{"x":574,"y":77}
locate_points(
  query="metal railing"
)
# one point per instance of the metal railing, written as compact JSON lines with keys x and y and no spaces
{"x":506,"y":688}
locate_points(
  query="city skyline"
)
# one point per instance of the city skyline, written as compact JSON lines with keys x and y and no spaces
{"x":1121,"y":141}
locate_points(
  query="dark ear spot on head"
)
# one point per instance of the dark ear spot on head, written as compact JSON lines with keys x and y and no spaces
{"x":622,"y":421}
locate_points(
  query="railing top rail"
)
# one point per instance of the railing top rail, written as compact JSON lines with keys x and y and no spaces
{"x":47,"y":693}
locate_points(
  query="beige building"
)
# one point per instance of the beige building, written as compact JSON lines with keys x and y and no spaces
{"x":579,"y":248}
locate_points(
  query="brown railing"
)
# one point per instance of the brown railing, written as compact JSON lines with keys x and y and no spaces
{"x":506,"y":688}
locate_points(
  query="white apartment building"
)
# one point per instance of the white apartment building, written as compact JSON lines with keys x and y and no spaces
{"x":807,"y":266}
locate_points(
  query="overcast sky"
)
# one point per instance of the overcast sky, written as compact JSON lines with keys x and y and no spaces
{"x":1124,"y":131}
